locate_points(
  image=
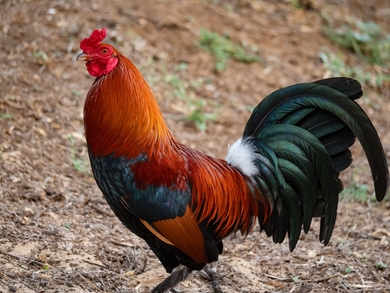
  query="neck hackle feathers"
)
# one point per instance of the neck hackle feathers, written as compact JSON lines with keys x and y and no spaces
{"x":121,"y":106}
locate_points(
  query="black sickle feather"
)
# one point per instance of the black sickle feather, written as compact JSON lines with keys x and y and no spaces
{"x":320,"y":122}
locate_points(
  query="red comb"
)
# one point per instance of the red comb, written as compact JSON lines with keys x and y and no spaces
{"x":94,"y":40}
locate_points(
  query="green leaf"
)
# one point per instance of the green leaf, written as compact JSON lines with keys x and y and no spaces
{"x":45,"y":267}
{"x":380,"y":265}
{"x":5,"y":116}
{"x":223,"y":49}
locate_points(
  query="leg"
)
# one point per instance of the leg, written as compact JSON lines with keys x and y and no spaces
{"x":178,"y":274}
{"x":213,"y":275}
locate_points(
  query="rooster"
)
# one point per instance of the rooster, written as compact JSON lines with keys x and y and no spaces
{"x":282,"y":172}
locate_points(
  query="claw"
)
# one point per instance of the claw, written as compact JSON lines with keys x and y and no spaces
{"x":204,"y":275}
{"x":214,"y":277}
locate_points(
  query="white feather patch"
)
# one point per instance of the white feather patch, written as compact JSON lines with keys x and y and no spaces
{"x":242,"y":156}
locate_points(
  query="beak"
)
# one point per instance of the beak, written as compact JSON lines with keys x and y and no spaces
{"x":83,"y":57}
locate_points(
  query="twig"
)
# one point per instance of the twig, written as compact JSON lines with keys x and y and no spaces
{"x":102,"y":211}
{"x":324,"y":278}
{"x":361,"y":286}
{"x":38,"y":215}
{"x":45,"y":231}
{"x":93,"y":201}
{"x":362,"y":279}
{"x":289,"y":279}
{"x":95,"y":264}
{"x":359,"y":234}
{"x":14,"y":214}
{"x":22,"y":282}
{"x":375,"y":275}
{"x":51,"y":232}
{"x":91,"y":284}
{"x":23,"y":259}
{"x":143,"y":267}
{"x":98,"y":200}
{"x":123,"y":244}
{"x":304,"y":257}
{"x":277,"y":278}
{"x":342,"y":285}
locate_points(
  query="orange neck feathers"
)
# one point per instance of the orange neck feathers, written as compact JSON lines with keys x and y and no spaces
{"x":121,"y":115}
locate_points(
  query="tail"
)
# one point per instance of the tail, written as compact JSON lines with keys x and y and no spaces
{"x":302,"y":135}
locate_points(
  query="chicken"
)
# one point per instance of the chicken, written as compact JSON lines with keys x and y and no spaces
{"x":282,"y":172}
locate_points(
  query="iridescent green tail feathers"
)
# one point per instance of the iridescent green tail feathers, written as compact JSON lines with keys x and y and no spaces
{"x":305,"y":131}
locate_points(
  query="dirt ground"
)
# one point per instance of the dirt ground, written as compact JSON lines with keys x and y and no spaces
{"x":57,"y":234}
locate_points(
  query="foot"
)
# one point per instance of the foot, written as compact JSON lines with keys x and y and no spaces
{"x":213,"y":277}
{"x":178,"y":274}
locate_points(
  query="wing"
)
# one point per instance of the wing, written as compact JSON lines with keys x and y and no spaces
{"x":182,"y":232}
{"x":139,"y":191}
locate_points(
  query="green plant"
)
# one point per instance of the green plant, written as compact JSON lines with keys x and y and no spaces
{"x":295,"y":279}
{"x":81,"y":164}
{"x":5,"y":116}
{"x":355,"y":191}
{"x":195,"y":107}
{"x":212,"y":1}
{"x":380,"y":265}
{"x":76,"y":93}
{"x":45,"y":267}
{"x":223,"y":49}
{"x":349,"y":270}
{"x":41,"y":56}
{"x":198,"y":116}
{"x":295,"y":3}
{"x":366,"y":39}
{"x":179,"y":88}
{"x":336,"y":64}
{"x":66,"y":225}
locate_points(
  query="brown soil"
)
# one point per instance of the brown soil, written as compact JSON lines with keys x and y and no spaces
{"x":57,"y":234}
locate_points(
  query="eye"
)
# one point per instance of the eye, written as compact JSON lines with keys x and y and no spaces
{"x":104,"y":51}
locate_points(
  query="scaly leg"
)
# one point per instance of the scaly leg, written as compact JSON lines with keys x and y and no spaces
{"x":178,"y":274}
{"x":214,"y":278}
